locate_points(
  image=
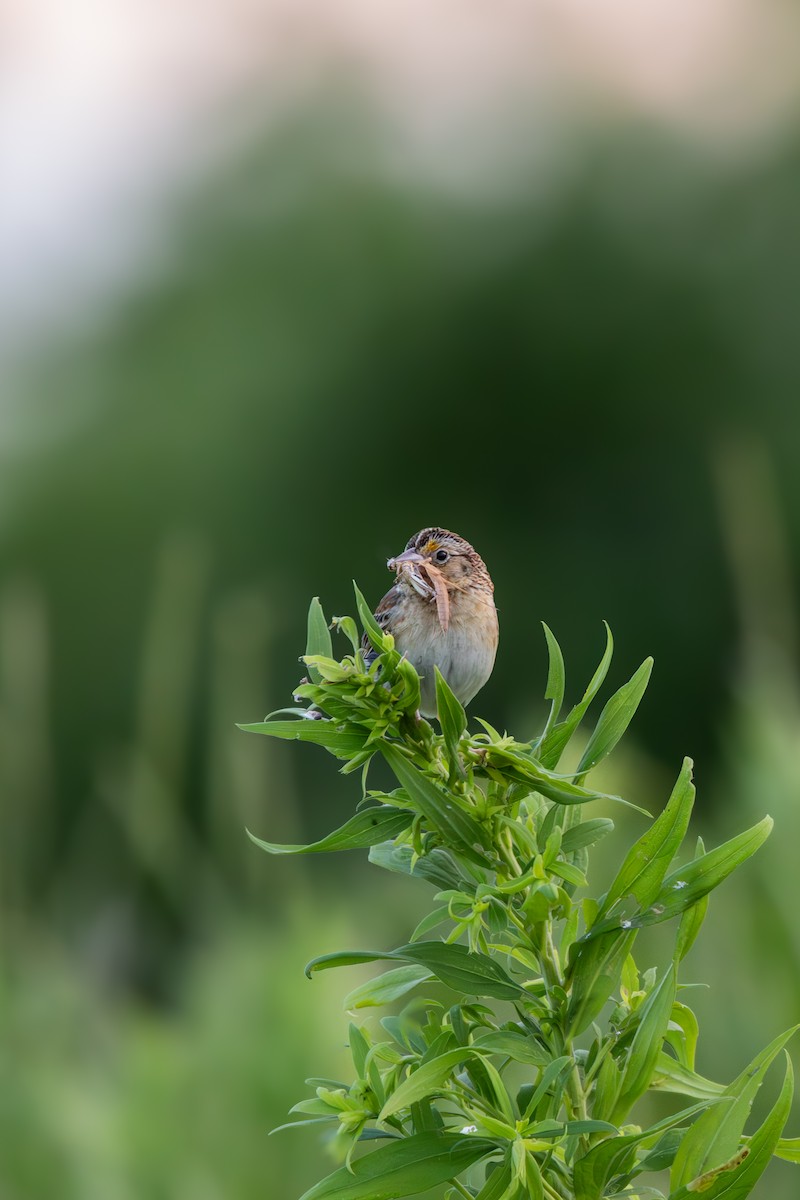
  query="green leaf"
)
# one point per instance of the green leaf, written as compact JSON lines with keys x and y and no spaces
{"x":372,"y":629}
{"x":436,"y":867}
{"x":327,"y":669}
{"x":660,"y":1158}
{"x":714,"y":1139}
{"x":434,"y":918}
{"x":553,"y":745}
{"x":412,"y":695}
{"x":315,"y":1105}
{"x":425,"y":1080}
{"x":556,"y":679}
{"x":462,"y":970}
{"x":703,"y":874}
{"x":654,"y":1017}
{"x":615,"y":1155}
{"x":425,"y":1117}
{"x":788,"y":1149}
{"x":359,"y":1049}
{"x":672,"y":1076}
{"x":594,"y":975}
{"x":579,"y":1128}
{"x":456,"y":827}
{"x":553,"y":1079}
{"x":534,"y":1188}
{"x":389,"y":986}
{"x":520,"y":764}
{"x":585,"y":833}
{"x":519,"y":1046}
{"x":302,"y":1124}
{"x":403,"y":1168}
{"x":606,"y":1088}
{"x":497,"y":1183}
{"x":452,"y":963}
{"x":692,"y":919}
{"x":683,"y":1034}
{"x":686,"y":885}
{"x":615,"y":718}
{"x":348,"y":627}
{"x":343,"y":743}
{"x":737,"y":1180}
{"x":344,"y":958}
{"x":318,"y":640}
{"x":646,"y":863}
{"x":489,"y":1082}
{"x":452,"y":719}
{"x":366,"y":828}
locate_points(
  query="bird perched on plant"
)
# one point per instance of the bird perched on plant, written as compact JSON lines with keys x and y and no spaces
{"x":441,"y":613}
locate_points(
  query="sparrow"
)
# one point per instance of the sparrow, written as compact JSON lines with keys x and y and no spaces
{"x":441,"y":613}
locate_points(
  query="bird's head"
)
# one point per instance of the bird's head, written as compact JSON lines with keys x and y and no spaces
{"x":452,"y":558}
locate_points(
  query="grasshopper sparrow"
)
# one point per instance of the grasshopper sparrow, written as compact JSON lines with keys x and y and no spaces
{"x":441,"y":613}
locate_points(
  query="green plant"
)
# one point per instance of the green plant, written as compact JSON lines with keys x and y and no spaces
{"x":522,"y":1080}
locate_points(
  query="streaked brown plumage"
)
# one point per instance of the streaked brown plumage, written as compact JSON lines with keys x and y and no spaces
{"x":441,"y":612}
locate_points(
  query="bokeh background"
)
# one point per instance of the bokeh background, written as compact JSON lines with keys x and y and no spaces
{"x":282,"y":281}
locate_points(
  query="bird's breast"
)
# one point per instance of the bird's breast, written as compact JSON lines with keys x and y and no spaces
{"x":464,"y":653}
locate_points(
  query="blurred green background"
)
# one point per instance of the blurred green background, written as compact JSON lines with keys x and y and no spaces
{"x":567,"y":330}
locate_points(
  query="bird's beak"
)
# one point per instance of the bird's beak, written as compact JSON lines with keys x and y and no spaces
{"x":408,"y":556}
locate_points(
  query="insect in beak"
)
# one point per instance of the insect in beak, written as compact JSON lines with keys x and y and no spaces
{"x":428,"y":582}
{"x":408,"y":557}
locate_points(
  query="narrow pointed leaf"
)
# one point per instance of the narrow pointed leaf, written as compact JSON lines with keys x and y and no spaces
{"x":348,"y":627}
{"x":556,"y":679}
{"x":615,"y":1155}
{"x":714,"y":1139}
{"x":428,"y":1078}
{"x":553,"y":745}
{"x":585,"y":833}
{"x":497,"y":1184}
{"x":371,"y":627}
{"x":366,"y":828}
{"x":692,"y":919}
{"x":455,"y":965}
{"x":788,"y":1149}
{"x":606,"y":1088}
{"x":594,"y":976}
{"x":359,"y":1049}
{"x":388,"y":987}
{"x":491,"y":1085}
{"x":519,"y":1046}
{"x":738,"y":1181}
{"x":521,"y":766}
{"x":434,"y":918}
{"x":647,"y":862}
{"x":344,"y":743}
{"x":456,"y":827}
{"x":403,"y":1168}
{"x":553,"y":1079}
{"x":302,"y":1124}
{"x":643,"y":1054}
{"x":437,"y":867}
{"x":615,"y":718}
{"x":672,"y":1076}
{"x":685,"y":886}
{"x":452,"y":718}
{"x":318,"y":640}
{"x":344,"y":958}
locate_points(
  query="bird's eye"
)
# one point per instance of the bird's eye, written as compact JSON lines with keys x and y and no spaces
{"x":441,"y":556}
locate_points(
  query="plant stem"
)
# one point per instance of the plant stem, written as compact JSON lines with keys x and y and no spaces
{"x":507,"y":849}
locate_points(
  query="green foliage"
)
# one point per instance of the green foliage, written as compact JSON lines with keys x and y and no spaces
{"x":521,"y":1074}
